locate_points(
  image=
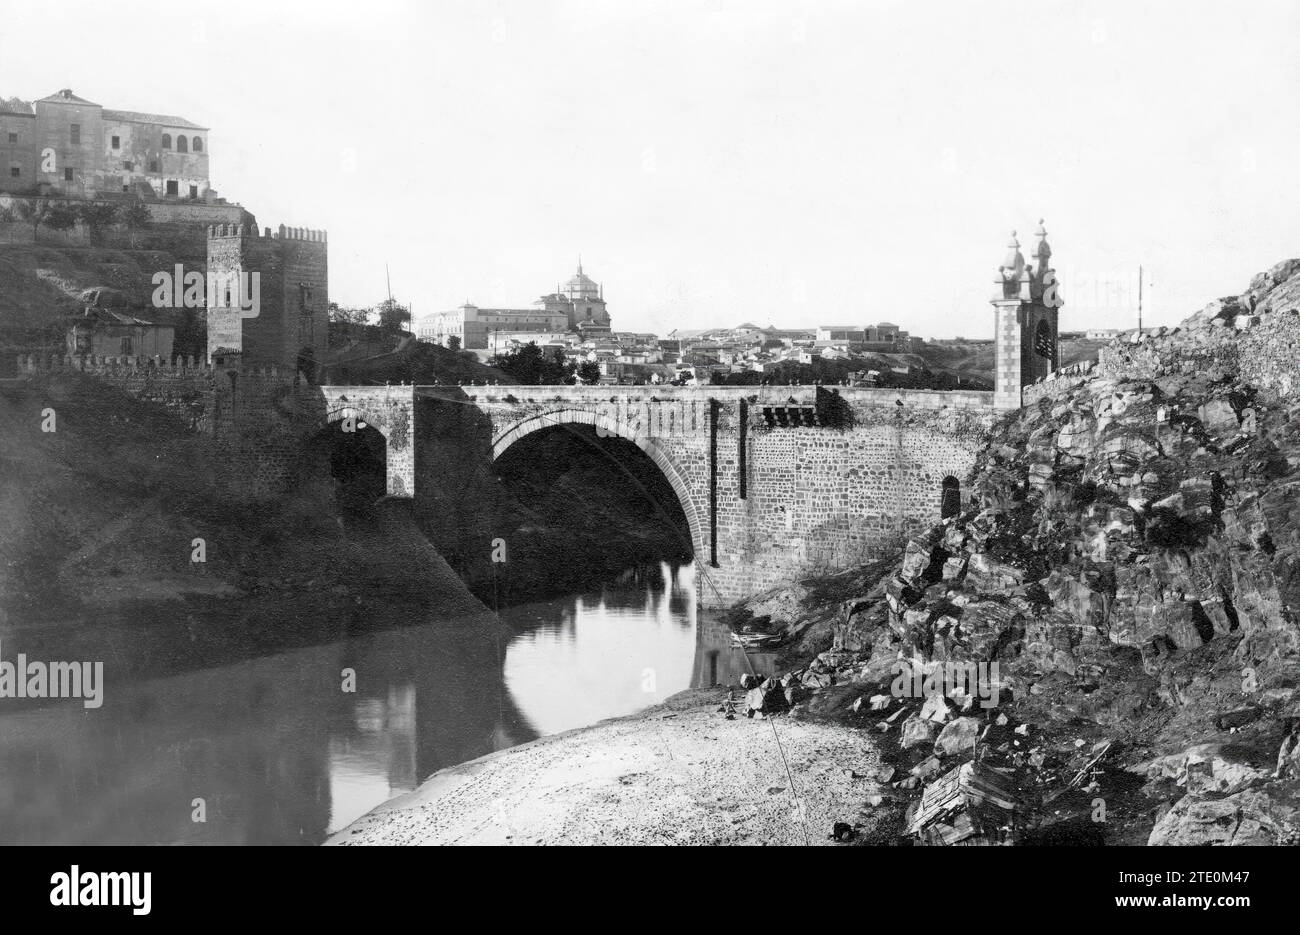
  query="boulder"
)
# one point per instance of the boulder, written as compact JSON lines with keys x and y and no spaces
{"x":918,"y":730}
{"x":958,"y":737}
{"x":1220,"y":768}
{"x":1249,"y":818}
{"x":937,"y":708}
{"x":767,"y":698}
{"x":989,"y":576}
{"x":1218,"y":416}
{"x":926,"y":768}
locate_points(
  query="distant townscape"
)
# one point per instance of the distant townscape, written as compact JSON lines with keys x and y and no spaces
{"x":74,"y":174}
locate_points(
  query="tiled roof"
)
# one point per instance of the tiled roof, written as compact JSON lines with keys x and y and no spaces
{"x":65,"y":97}
{"x":135,"y":116}
{"x":107,"y":316}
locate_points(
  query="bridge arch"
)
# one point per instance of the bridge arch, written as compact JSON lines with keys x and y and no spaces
{"x":340,"y":411}
{"x":503,"y":440}
{"x":390,"y":412}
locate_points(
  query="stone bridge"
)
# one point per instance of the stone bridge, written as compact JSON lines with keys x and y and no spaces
{"x":769,"y":489}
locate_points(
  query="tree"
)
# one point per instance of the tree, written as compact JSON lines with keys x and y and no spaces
{"x":453,"y":342}
{"x":135,"y":217}
{"x":61,"y":216}
{"x":529,"y":366}
{"x":349,"y":316}
{"x":393,"y":317}
{"x":32,"y":211}
{"x":97,"y":216}
{"x":589,"y":372}
{"x":561,"y":371}
{"x":190,"y":338}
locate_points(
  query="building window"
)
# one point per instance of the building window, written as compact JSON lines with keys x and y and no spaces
{"x":67,"y":175}
{"x":76,"y":134}
{"x":167,"y":141}
{"x":117,"y":142}
{"x":126,"y":346}
{"x":198,"y":145}
{"x":194,"y":191}
{"x":128,"y":165}
{"x":182,"y":145}
{"x":13,"y":137}
{"x":172,"y":187}
{"x":1043,"y":340}
{"x":153,"y":165}
{"x":949,"y":497}
{"x":15,"y":172}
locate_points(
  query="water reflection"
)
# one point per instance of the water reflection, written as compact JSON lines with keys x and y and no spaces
{"x":273,"y":750}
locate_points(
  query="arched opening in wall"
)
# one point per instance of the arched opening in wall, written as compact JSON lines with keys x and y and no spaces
{"x":578,"y":509}
{"x":950,"y":497}
{"x":182,"y":144}
{"x":353,"y":464}
{"x":1043,"y":350}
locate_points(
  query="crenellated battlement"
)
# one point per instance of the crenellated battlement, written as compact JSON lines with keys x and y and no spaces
{"x":250,"y":231}
{"x":32,"y":364}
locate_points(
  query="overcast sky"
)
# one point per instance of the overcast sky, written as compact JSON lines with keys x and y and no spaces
{"x":717,"y":162}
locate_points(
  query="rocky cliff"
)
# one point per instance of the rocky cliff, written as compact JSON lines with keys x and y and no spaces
{"x":1125,"y":578}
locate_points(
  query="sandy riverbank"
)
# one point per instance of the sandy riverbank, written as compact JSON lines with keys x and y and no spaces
{"x":678,"y":773}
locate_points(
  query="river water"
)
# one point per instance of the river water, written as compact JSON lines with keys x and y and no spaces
{"x":274,"y":750}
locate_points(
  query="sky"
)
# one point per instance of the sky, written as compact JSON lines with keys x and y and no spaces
{"x":714,"y":163}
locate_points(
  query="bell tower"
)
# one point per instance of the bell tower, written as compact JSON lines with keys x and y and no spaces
{"x":1026,"y":310}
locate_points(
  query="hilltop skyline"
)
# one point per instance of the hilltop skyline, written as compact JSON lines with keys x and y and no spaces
{"x":788,"y":169}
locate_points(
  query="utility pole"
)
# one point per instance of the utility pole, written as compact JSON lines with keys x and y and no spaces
{"x":1139,"y":300}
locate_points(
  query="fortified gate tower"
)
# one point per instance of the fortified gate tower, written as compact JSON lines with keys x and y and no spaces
{"x":1026,"y":309}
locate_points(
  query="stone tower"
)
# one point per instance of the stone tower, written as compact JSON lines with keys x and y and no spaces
{"x":1026,"y":308}
{"x":282,"y":316}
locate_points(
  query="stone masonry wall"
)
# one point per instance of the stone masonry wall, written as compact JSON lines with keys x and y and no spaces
{"x":817,"y":499}
{"x":259,"y":416}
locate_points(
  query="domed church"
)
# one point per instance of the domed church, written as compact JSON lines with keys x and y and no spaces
{"x":581,"y":300}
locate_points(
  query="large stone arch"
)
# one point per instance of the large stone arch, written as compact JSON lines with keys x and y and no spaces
{"x":503,"y":440}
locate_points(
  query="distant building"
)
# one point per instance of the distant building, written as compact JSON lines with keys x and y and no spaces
{"x":65,"y":144}
{"x":846,"y":333}
{"x":789,"y":334}
{"x":885,"y":333}
{"x":578,"y":306}
{"x":106,"y":328}
{"x":1100,"y":334}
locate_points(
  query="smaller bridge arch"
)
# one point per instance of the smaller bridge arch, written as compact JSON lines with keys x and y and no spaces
{"x":503,"y":440}
{"x":389,"y":410}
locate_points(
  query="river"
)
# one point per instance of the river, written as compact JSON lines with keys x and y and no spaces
{"x":275,"y":749}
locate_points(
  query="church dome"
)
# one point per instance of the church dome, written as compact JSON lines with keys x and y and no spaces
{"x":580,"y":285}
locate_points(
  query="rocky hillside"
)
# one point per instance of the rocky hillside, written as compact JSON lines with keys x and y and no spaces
{"x":40,"y":285}
{"x":1128,"y":570}
{"x":975,"y":361}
